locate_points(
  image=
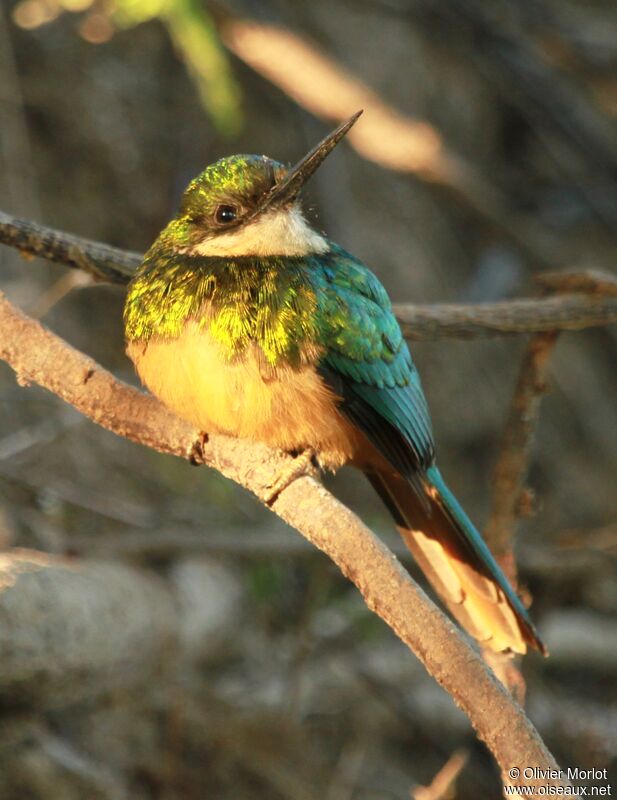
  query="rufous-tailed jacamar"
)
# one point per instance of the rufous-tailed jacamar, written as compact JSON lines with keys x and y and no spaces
{"x":246,"y":321}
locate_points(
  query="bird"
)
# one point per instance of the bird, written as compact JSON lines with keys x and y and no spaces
{"x":246,"y":320}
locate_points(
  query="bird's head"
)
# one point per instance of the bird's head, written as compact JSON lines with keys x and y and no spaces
{"x":249,"y":205}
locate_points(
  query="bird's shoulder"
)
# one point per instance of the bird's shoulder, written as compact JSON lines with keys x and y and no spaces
{"x":361,"y":334}
{"x":349,"y":275}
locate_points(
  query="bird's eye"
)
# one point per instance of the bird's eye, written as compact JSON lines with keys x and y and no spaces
{"x":225,"y":214}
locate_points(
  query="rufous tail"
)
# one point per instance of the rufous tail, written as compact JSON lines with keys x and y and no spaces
{"x":457,"y":562}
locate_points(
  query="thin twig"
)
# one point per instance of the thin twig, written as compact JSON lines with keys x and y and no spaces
{"x":511,"y":468}
{"x":592,"y":281}
{"x":39,"y":356}
{"x":419,"y":322}
{"x":63,"y":286}
{"x":443,"y":783}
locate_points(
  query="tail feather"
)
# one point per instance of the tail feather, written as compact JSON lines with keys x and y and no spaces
{"x":457,"y":562}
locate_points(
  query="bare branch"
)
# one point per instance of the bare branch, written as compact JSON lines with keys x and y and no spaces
{"x":511,"y":468}
{"x":572,"y":312}
{"x":39,"y":356}
{"x":508,"y":482}
{"x":591,"y":281}
{"x":419,"y":322}
{"x":100,"y":260}
{"x":444,"y":781}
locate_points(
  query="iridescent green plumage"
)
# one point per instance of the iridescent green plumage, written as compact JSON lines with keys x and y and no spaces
{"x":328,"y":305}
{"x":236,"y":178}
{"x":281,"y":304}
{"x":306,"y":316}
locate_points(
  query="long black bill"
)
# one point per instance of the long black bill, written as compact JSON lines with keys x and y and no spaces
{"x":289,"y":188}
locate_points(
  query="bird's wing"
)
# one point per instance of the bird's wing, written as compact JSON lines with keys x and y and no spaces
{"x":367,"y":363}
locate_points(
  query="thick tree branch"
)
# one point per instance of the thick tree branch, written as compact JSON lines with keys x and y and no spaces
{"x":419,"y":322}
{"x":39,"y":356}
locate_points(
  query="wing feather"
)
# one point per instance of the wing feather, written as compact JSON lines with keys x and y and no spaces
{"x":367,"y":363}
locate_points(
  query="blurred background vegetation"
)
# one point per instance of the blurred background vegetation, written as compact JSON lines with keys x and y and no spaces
{"x":489,"y":153}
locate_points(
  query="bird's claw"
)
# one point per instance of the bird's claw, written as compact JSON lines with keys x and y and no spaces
{"x":303,"y":464}
{"x":196,"y":454}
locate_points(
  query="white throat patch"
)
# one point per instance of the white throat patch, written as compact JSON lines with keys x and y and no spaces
{"x":283,"y":232}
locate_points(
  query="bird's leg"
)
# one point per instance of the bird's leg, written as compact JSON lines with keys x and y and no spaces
{"x":196,"y":453}
{"x":304,"y":463}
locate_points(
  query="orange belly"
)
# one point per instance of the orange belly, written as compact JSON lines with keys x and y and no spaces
{"x":288,"y":408}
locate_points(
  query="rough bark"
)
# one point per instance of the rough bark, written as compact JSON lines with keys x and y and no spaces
{"x":39,"y":356}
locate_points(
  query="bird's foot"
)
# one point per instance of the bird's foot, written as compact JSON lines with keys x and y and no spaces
{"x":305,"y":463}
{"x":196,"y":454}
